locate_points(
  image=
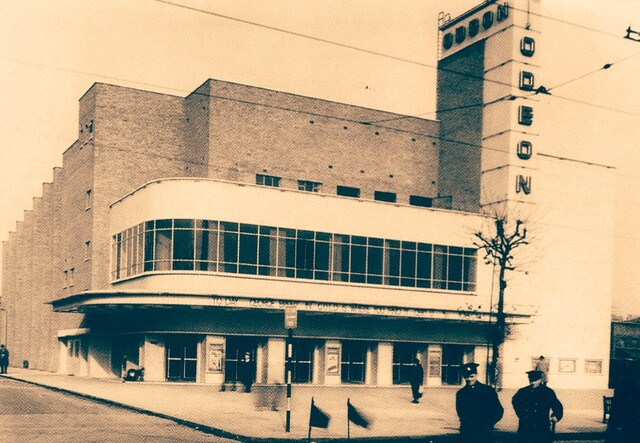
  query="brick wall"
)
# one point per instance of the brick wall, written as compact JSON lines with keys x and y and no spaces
{"x":256,"y":131}
{"x":138,"y":137}
{"x":227,"y":131}
{"x":460,"y":89}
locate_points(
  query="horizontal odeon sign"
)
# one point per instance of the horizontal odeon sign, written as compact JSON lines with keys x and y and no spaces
{"x":460,"y":31}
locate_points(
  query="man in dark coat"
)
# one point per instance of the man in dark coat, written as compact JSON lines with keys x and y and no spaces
{"x":416,"y":377}
{"x":537,"y":408}
{"x":247,"y":371}
{"x":478,"y":407}
{"x":4,"y":359}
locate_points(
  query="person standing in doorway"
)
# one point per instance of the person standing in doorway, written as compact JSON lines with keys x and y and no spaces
{"x":416,"y":378}
{"x":538,"y":410}
{"x":478,"y":407}
{"x":4,"y":359}
{"x":247,"y":371}
{"x":542,"y":365}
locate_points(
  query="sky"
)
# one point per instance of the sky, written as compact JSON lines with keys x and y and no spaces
{"x":372,"y":53}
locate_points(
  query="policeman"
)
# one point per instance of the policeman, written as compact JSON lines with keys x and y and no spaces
{"x":478,"y":407}
{"x":537,"y":408}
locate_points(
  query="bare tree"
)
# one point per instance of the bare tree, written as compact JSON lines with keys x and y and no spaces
{"x":498,"y":246}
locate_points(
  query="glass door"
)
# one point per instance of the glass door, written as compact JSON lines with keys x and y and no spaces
{"x":236,"y":348}
{"x":182,"y":358}
{"x":403,"y":356}
{"x":354,"y":361}
{"x":452,"y":356}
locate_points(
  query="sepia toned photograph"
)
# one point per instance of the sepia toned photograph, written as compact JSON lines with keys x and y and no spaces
{"x":319,"y":221}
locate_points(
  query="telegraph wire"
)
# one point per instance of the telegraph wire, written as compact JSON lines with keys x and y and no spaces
{"x":461,"y":143}
{"x":218,"y":169}
{"x":604,"y":67}
{"x":466,"y":144}
{"x":566,"y":22}
{"x":374,"y":124}
{"x":293,"y":33}
{"x":437,"y":68}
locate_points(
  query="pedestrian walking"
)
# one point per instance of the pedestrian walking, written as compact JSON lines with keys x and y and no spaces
{"x":4,"y":359}
{"x":478,"y":407}
{"x":542,"y":365}
{"x":538,"y":410}
{"x":624,"y":421}
{"x":416,"y":378}
{"x":247,"y":371}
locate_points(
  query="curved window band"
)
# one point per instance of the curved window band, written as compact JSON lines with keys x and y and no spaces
{"x":227,"y":247}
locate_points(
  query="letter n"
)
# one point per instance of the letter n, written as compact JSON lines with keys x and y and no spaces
{"x":523,"y":184}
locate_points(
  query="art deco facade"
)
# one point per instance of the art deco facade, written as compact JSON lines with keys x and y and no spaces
{"x":179,"y":230}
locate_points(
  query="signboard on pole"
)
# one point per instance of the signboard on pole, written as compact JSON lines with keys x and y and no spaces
{"x":290,"y":317}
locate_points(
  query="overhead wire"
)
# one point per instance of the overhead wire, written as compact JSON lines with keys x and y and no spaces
{"x":377,"y":53}
{"x":462,"y":143}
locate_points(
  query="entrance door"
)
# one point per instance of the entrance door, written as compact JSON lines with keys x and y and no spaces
{"x":302,"y":361}
{"x":182,"y":358}
{"x":403,"y":356}
{"x":354,"y":361}
{"x":236,"y":349}
{"x":76,"y":348}
{"x":452,"y":356}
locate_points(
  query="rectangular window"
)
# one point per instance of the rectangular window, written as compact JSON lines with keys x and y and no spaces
{"x":391,"y":262}
{"x":340,"y":249}
{"x":286,"y":252}
{"x":140,"y":256}
{"x":440,"y":267}
{"x":206,"y":245}
{"x":469,"y":270}
{"x":309,"y":186}
{"x":268,"y":180}
{"x":248,"y":249}
{"x":418,"y":200}
{"x":184,"y":245}
{"x":304,"y":254}
{"x":408,"y":264}
{"x":164,"y":245}
{"x":423,"y":270}
{"x":347,"y":191}
{"x":133,"y":250}
{"x":454,"y":274}
{"x":358,"y":259}
{"x":149,"y":246}
{"x":322,"y":256}
{"x":229,"y":247}
{"x":267,"y":250}
{"x":384,"y":196}
{"x":375,"y":253}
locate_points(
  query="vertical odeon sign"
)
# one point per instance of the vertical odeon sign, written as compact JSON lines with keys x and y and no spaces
{"x":524,"y":150}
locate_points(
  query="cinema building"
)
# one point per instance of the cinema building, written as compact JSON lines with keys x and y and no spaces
{"x":182,"y":232}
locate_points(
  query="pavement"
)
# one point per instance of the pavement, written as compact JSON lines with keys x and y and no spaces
{"x":260,"y":416}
